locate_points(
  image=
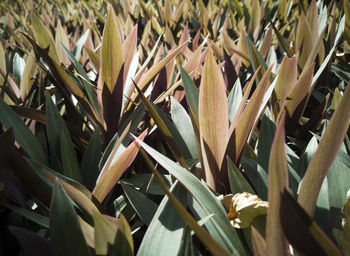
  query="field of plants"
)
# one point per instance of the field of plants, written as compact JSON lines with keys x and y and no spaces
{"x":174,"y":127}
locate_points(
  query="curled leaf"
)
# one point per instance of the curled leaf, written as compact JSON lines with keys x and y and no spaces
{"x":243,"y":208}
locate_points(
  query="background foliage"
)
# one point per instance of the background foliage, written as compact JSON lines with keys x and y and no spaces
{"x":123,"y":121}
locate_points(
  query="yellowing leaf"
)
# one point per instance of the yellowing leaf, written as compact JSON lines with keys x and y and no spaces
{"x":61,"y":36}
{"x":213,"y":119}
{"x":104,"y":233}
{"x":345,"y":233}
{"x":286,"y":80}
{"x":243,"y":208}
{"x":28,"y":77}
{"x":43,"y":37}
{"x":111,"y":52}
{"x":304,"y":42}
{"x":2,"y":59}
{"x":297,"y":97}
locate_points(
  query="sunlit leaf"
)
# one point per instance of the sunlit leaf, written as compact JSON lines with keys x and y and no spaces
{"x":213,"y":119}
{"x":325,"y":154}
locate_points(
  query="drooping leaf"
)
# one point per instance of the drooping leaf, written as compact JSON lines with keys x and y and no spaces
{"x":23,"y":135}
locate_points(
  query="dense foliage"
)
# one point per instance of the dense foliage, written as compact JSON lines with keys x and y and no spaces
{"x":174,"y":127}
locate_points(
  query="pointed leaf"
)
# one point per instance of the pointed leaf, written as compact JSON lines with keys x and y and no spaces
{"x":104,"y":233}
{"x":213,"y":119}
{"x":43,"y":37}
{"x":229,"y":239}
{"x":192,"y":94}
{"x":325,"y":154}
{"x":143,"y":206}
{"x":123,"y":244}
{"x":23,"y":135}
{"x":111,"y":53}
{"x":259,"y":243}
{"x":183,"y":123}
{"x":116,"y":170}
{"x":62,"y":212}
{"x":278,"y":181}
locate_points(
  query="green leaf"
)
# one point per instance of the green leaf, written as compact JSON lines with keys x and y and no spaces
{"x":266,"y":135}
{"x":65,"y":239}
{"x":69,"y":159}
{"x":89,"y":90}
{"x":30,"y":215}
{"x":192,"y":94}
{"x":183,"y":124}
{"x":143,"y":206}
{"x":278,"y":181}
{"x":234,"y":100}
{"x":338,"y":180}
{"x":23,"y":135}
{"x":229,"y":238}
{"x":164,"y":233}
{"x":163,"y":127}
{"x":238,"y":182}
{"x":89,"y":163}
{"x":325,"y":154}
{"x":142,"y":180}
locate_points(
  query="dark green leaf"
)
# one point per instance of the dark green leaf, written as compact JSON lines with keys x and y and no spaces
{"x":65,"y":232}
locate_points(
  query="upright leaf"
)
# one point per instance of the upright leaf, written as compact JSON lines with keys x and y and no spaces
{"x":62,"y":212}
{"x":278,"y":181}
{"x":111,"y":52}
{"x":325,"y":154}
{"x":116,"y":170}
{"x":213,"y":119}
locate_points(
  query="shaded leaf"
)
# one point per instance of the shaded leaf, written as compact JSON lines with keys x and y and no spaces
{"x":278,"y":181}
{"x":62,"y":212}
